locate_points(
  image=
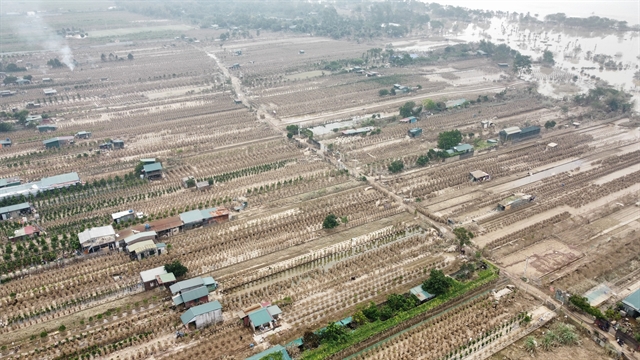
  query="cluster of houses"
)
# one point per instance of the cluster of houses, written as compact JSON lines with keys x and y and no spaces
{"x":140,"y":241}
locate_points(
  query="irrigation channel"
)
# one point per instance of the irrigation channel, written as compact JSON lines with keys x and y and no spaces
{"x":383,"y":337}
{"x":325,"y":258}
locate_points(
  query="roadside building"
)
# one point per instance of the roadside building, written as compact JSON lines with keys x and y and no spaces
{"x":46,"y":128}
{"x":152,"y":171}
{"x":509,"y":133}
{"x":123,"y":216}
{"x":15,"y":211}
{"x":8,"y":182}
{"x":631,"y":304}
{"x":83,"y":134}
{"x":5,"y":143}
{"x":479,"y":175}
{"x":94,"y":239}
{"x":150,"y":277}
{"x":202,"y":315}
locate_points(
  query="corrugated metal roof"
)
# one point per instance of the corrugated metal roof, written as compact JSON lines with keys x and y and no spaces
{"x":120,"y":214}
{"x":10,"y":181}
{"x":191,"y":314}
{"x":190,"y":217}
{"x":141,"y":246}
{"x":463,"y":147}
{"x":59,"y":180}
{"x":96,"y":232}
{"x":5,"y":142}
{"x":275,"y":349}
{"x":152,"y":167}
{"x":421,"y":294}
{"x":478,"y":174}
{"x":16,"y":207}
{"x":138,"y":236}
{"x":50,"y":141}
{"x":633,"y":300}
{"x":511,"y":130}
{"x":186,"y":284}
{"x":196,"y":293}
{"x":274,"y":310}
{"x":148,"y":160}
{"x":149,"y":275}
{"x":168,"y":277}
{"x":208,"y":281}
{"x":260,"y":317}
{"x":530,"y":129}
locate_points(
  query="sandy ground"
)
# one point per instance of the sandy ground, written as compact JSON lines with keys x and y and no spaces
{"x":544,"y":256}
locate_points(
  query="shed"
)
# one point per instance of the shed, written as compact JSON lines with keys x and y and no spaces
{"x":421,"y":294}
{"x":273,"y":350}
{"x":5,"y":143}
{"x":631,"y":304}
{"x":203,"y":315}
{"x":49,"y":92}
{"x":123,"y":216}
{"x":186,"y":285}
{"x":503,"y":65}
{"x":274,"y":311}
{"x":148,"y":277}
{"x":148,"y":161}
{"x":8,"y":212}
{"x":552,"y":145}
{"x":529,"y":131}
{"x":192,"y":297}
{"x":118,"y":144}
{"x":260,"y":318}
{"x":463,"y":148}
{"x":415,"y":132}
{"x":97,"y":238}
{"x":142,"y":249}
{"x":138,"y":237}
{"x":210,"y":283}
{"x":83,"y":134}
{"x":409,"y":120}
{"x":455,"y":103}
{"x":509,"y":133}
{"x":165,"y":279}
{"x":46,"y":128}
{"x":12,"y":181}
{"x":202,"y":185}
{"x":24,"y":232}
{"x":152,"y":171}
{"x":479,"y":175}
{"x":514,"y":201}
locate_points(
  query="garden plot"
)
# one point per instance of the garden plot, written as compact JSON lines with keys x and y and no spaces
{"x":543,"y":257}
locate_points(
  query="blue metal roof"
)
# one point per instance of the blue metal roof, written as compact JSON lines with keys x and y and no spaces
{"x":196,"y":293}
{"x":260,"y":317}
{"x":138,"y":236}
{"x":190,"y":217}
{"x":186,"y":284}
{"x":208,"y":281}
{"x":633,"y":300}
{"x":421,"y":294}
{"x":5,"y":142}
{"x":463,"y":147}
{"x":274,"y":310}
{"x":275,"y":349}
{"x":152,"y":167}
{"x":190,"y":314}
{"x":16,"y":207}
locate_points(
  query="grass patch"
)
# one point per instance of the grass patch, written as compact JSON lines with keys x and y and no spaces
{"x":370,"y":329}
{"x":388,"y":80}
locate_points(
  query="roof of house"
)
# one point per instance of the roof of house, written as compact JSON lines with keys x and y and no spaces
{"x":463,"y":147}
{"x":420,"y":293}
{"x":5,"y":142}
{"x":196,"y":293}
{"x":50,"y":141}
{"x":274,"y":310}
{"x":11,"y":180}
{"x":149,"y":275}
{"x":346,"y":321}
{"x":165,"y":278}
{"x":138,"y":236}
{"x":148,"y":160}
{"x":96,"y":232}
{"x":141,"y":246}
{"x":120,"y":214}
{"x":275,"y":349}
{"x":118,"y":141}
{"x":83,"y":133}
{"x":152,"y":167}
{"x":16,"y":207}
{"x":46,"y":127}
{"x":192,"y":216}
{"x":478,"y":174}
{"x":191,"y":314}
{"x":511,"y":130}
{"x":633,"y":300}
{"x":59,"y":179}
{"x":530,"y":129}
{"x":186,"y":284}
{"x":260,"y":317}
{"x":44,"y":184}
{"x":208,"y":281}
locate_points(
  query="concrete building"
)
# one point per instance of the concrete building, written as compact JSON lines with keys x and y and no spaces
{"x":152,"y":171}
{"x":12,"y":181}
{"x":58,"y":141}
{"x":123,"y":216}
{"x":5,"y":143}
{"x":83,"y":134}
{"x":45,"y":184}
{"x":97,"y":238}
{"x":202,"y":315}
{"x":150,"y":277}
{"x":46,"y":128}
{"x":631,"y":304}
{"x":15,"y":211}
{"x":479,"y":175}
{"x":509,"y":133}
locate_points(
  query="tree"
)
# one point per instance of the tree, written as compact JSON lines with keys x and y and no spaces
{"x":55,"y":63}
{"x":330,"y":222}
{"x":191,"y":183}
{"x":383,"y":92}
{"x":359,"y":318}
{"x":406,"y":110}
{"x":463,"y":235}
{"x":273,"y":356}
{"x":371,"y":312}
{"x":28,"y":77}
{"x":392,"y":91}
{"x":14,"y":68}
{"x":522,"y":64}
{"x":422,"y":160}
{"x":138,"y":168}
{"x":62,"y":328}
{"x":10,"y":80}
{"x":437,"y":283}
{"x":549,"y":124}
{"x":130,"y":56}
{"x":547,"y":57}
{"x":333,"y":333}
{"x":176,"y":268}
{"x":5,"y":127}
{"x":396,"y":166}
{"x":449,"y":139}
{"x":429,"y":104}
